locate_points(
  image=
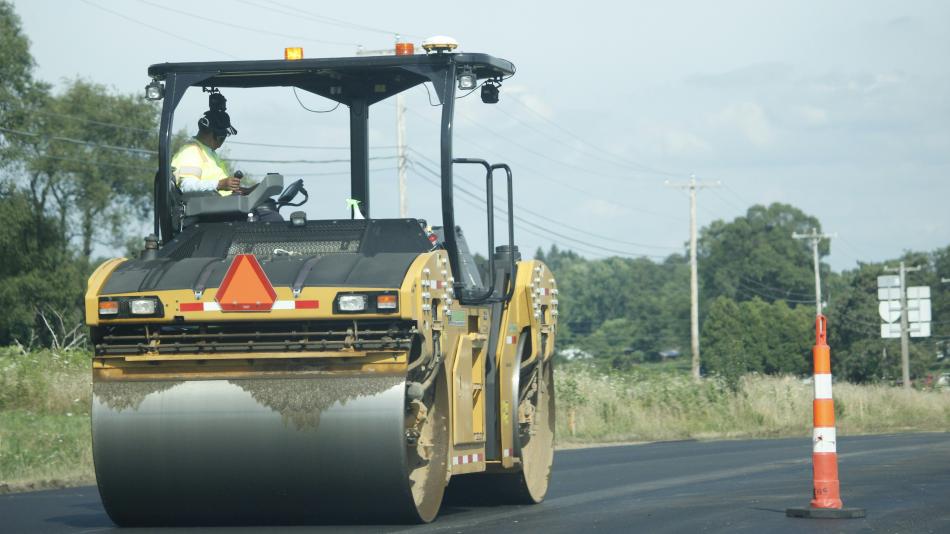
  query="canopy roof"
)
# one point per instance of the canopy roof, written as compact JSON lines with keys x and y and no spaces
{"x":372,"y":78}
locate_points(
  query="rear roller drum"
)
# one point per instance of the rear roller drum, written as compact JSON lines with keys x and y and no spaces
{"x":536,"y":415}
{"x":427,"y":437}
{"x":533,"y":392}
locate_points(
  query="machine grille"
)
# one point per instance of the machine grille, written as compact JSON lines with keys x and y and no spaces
{"x":316,"y":239}
{"x":254,"y":337}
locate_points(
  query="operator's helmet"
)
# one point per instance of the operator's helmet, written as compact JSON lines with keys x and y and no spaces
{"x":217,"y":122}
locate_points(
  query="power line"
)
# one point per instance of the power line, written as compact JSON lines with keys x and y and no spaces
{"x":738,"y":196}
{"x":476,"y":202}
{"x":144,"y":151}
{"x":229,"y":142}
{"x":539,"y":227}
{"x":307,"y":147}
{"x":246,"y":28}
{"x":156,"y":28}
{"x":547,"y":157}
{"x":728,"y":201}
{"x":549,"y":178}
{"x":91,"y":121}
{"x":98,"y":164}
{"x":305,"y":161}
{"x":749,"y":290}
{"x":578,"y":230}
{"x":72,"y":140}
{"x":297,"y":12}
{"x":593,"y":146}
{"x":774,"y":289}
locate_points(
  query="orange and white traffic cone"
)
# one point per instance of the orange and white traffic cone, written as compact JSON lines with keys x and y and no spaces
{"x":826,"y":499}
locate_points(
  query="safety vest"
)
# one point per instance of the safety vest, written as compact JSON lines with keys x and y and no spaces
{"x":197,"y":160}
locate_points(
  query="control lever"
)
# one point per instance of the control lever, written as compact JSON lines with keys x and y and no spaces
{"x":239,"y":174}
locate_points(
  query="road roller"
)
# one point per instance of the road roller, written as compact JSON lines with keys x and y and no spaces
{"x":253,"y":369}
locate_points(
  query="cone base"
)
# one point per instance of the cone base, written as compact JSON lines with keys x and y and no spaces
{"x":825,"y":513}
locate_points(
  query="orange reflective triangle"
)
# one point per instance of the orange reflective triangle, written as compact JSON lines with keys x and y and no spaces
{"x":245,"y":286}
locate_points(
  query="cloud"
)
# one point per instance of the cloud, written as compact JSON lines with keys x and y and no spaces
{"x":531,"y":100}
{"x":602,"y":208}
{"x":811,"y":115}
{"x":856,"y":83}
{"x":749,"y":119}
{"x":683,"y":143}
{"x":755,"y":74}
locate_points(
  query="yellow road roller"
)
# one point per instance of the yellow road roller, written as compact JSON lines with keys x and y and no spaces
{"x":254,"y":369}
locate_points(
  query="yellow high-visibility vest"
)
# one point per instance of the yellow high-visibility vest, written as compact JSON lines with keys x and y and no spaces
{"x":197,"y":160}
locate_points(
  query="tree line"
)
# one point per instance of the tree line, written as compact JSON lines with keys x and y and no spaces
{"x":757,"y":304}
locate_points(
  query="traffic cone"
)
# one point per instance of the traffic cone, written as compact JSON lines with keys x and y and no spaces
{"x":826,"y":498}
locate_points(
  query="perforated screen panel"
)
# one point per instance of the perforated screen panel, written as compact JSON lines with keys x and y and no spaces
{"x":293,"y":248}
{"x":313,"y":240}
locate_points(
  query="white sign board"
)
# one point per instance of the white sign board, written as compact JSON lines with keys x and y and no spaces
{"x":888,"y":280}
{"x":889,"y":293}
{"x":918,"y":311}
{"x":918,"y":292}
{"x":919,"y":329}
{"x":891,"y":330}
{"x":889,"y":310}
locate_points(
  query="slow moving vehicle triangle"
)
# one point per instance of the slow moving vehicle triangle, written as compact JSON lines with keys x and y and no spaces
{"x":245,"y":286}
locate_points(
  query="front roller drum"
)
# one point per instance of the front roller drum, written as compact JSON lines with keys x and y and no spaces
{"x":268,"y":451}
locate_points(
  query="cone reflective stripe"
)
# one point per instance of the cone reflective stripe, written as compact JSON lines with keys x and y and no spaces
{"x":826,"y":495}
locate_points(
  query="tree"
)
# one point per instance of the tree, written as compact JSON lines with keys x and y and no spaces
{"x":756,"y":336}
{"x":755,"y":256}
{"x":37,"y":274}
{"x":20,"y":95}
{"x":92,"y":163}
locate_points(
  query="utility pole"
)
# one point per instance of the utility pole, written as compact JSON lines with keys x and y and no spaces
{"x":905,"y":328}
{"x":401,"y":153}
{"x":692,"y":186}
{"x":815,"y":239}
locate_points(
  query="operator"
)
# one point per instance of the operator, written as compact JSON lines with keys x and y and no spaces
{"x":197,"y":167}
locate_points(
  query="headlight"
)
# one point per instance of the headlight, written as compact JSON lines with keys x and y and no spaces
{"x":154,"y":90}
{"x":130,"y":307}
{"x":142,"y":306}
{"x":352,"y":303}
{"x":370,"y":302}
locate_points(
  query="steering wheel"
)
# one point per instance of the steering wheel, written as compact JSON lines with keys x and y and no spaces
{"x":290,"y":192}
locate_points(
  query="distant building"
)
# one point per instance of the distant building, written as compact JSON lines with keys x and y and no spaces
{"x":575,"y":353}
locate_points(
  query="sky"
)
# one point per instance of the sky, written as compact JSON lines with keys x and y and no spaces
{"x":838,"y":108}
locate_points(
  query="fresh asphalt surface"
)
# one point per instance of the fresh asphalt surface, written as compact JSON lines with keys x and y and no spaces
{"x":903,"y":481}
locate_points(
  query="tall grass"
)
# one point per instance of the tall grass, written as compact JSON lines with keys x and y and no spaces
{"x":45,"y":402}
{"x":609,"y":407}
{"x":44,"y":418}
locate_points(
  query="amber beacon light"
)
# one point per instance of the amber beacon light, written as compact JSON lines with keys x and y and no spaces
{"x":293,"y":53}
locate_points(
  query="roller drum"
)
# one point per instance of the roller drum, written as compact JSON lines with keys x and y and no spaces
{"x":253,"y":451}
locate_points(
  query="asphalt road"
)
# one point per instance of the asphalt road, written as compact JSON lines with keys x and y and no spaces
{"x":903,"y":481}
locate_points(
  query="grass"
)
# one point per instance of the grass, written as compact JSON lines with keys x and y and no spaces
{"x":615,"y":408}
{"x":42,"y":450}
{"x":45,"y":401}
